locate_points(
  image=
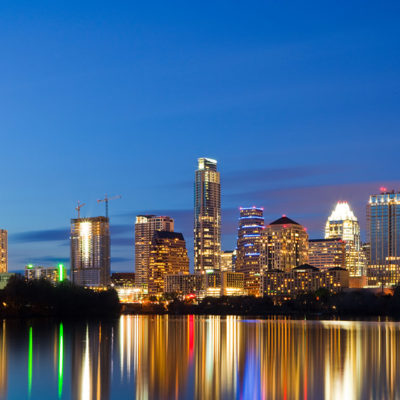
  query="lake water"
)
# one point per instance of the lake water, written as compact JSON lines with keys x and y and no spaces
{"x":190,"y":357}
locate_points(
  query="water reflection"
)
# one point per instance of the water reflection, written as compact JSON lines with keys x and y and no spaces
{"x":161,"y":357}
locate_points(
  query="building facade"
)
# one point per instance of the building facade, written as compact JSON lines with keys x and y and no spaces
{"x":145,"y":227}
{"x":303,"y":279}
{"x":327,"y":253}
{"x":183,"y":284}
{"x":227,"y":260}
{"x":285,"y":245}
{"x":249,"y":247}
{"x":383,"y":228}
{"x":343,"y":224}
{"x":168,"y":256}
{"x":3,"y":251}
{"x":207,"y":216}
{"x":215,"y":284}
{"x":38,"y":272}
{"x":90,"y":251}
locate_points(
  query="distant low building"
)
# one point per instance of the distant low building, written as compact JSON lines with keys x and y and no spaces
{"x":303,"y":279}
{"x":4,"y":278}
{"x":183,"y":284}
{"x":386,"y":274}
{"x":125,"y":279}
{"x":216,"y":284}
{"x":53,"y":274}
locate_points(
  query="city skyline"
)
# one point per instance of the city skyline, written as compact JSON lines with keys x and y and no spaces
{"x":185,"y":220}
{"x":297,"y":104}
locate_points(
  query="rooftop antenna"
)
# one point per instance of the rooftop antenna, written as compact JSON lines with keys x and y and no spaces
{"x":107,"y":199}
{"x":78,"y":208}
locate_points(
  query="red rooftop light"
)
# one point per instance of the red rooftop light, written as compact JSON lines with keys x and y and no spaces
{"x":383,"y":189}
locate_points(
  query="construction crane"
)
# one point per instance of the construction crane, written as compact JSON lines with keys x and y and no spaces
{"x":78,"y":208}
{"x":106,"y":200}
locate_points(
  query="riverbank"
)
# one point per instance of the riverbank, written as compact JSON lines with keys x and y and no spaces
{"x":318,"y":305}
{"x":40,"y":298}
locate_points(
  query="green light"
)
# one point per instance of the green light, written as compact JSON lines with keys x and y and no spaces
{"x":30,"y":266}
{"x":61,"y":272}
{"x":30,"y":361}
{"x":60,"y":361}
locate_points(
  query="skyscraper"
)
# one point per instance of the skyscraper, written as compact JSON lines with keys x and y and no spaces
{"x":90,"y":251}
{"x":207,"y":216}
{"x":343,"y":224}
{"x":383,"y":226}
{"x":249,"y":247}
{"x":285,"y":245}
{"x":145,"y":227}
{"x":168,"y":256}
{"x":3,"y":251}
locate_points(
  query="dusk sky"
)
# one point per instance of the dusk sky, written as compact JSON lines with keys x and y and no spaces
{"x":298,"y":101}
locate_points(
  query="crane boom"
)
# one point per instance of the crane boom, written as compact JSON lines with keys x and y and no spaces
{"x":106,"y":200}
{"x":78,"y":208}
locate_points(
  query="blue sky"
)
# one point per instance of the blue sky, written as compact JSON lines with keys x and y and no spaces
{"x":298,"y":102}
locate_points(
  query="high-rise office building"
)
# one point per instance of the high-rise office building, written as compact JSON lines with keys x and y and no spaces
{"x":285,"y":245}
{"x":168,"y":256}
{"x":383,"y":226}
{"x":207,"y":217}
{"x":343,"y":224}
{"x":249,"y":247}
{"x":145,"y":227}
{"x":90,"y":251}
{"x":327,"y":253}
{"x":3,"y":251}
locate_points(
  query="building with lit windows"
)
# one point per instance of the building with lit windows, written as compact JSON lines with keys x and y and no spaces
{"x":145,"y":227}
{"x":3,"y":251}
{"x":327,"y":253}
{"x":183,"y":284}
{"x":126,"y":279}
{"x":343,"y":224}
{"x":90,"y":251}
{"x":168,"y":256}
{"x":303,"y":279}
{"x":227,"y":260}
{"x":207,"y":217}
{"x":285,"y":245}
{"x":52,"y":274}
{"x":213,"y":284}
{"x":249,"y":247}
{"x":4,"y":278}
{"x":383,"y":227}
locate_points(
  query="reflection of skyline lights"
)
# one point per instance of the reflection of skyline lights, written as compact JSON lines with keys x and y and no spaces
{"x":30,"y":361}
{"x":225,"y":357}
{"x":60,"y":360}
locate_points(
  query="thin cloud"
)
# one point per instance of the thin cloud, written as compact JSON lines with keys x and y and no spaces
{"x":48,"y":235}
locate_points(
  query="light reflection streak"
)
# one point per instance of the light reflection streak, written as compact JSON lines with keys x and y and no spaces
{"x":60,"y":360}
{"x":86,"y":380}
{"x":30,"y":361}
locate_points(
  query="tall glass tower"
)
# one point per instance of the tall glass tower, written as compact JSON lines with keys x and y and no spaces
{"x":383,"y":219}
{"x":249,"y":244}
{"x":207,"y":217}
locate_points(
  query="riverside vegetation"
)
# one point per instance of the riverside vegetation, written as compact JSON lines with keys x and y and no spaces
{"x":37,"y":298}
